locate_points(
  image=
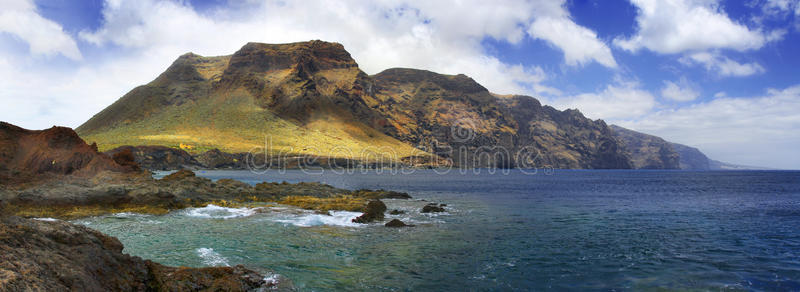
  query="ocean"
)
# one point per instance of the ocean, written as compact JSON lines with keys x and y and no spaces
{"x":507,"y":230}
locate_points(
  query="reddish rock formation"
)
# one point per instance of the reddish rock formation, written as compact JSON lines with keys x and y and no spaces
{"x":26,"y":154}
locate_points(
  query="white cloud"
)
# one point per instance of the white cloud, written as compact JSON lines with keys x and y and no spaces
{"x":428,"y":35}
{"x":758,"y":131}
{"x":616,"y":102}
{"x":669,"y":27}
{"x":775,"y":7}
{"x":721,"y":65}
{"x":579,"y":44}
{"x":141,"y":38}
{"x":680,"y":91}
{"x":44,"y":37}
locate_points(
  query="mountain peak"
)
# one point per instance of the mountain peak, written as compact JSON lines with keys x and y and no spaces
{"x":460,"y":83}
{"x":318,"y":55}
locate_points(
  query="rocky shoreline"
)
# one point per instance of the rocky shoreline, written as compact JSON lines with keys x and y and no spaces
{"x":160,"y":158}
{"x":54,"y":174}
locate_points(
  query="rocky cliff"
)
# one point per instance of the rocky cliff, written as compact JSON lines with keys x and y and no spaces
{"x":648,"y":151}
{"x":453,"y":112}
{"x":310,"y":98}
{"x":691,"y":158}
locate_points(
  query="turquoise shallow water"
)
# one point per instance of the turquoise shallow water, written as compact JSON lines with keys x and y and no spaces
{"x":580,"y":230}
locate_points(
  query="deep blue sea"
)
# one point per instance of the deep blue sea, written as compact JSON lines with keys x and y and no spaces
{"x":561,"y":230}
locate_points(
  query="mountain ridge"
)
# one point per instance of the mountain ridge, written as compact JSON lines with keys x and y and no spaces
{"x":310,"y":98}
{"x":652,"y":152}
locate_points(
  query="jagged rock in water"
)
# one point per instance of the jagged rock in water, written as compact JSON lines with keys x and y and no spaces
{"x":433,"y":208}
{"x":373,"y":212}
{"x":397,"y":223}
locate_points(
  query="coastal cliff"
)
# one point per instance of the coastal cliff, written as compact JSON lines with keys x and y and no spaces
{"x":648,"y":151}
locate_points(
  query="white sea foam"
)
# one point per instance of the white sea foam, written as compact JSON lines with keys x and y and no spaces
{"x":217,"y":212}
{"x":337,"y":218}
{"x":46,"y":219}
{"x":128,"y":215}
{"x":211,"y":257}
{"x":272,"y":279}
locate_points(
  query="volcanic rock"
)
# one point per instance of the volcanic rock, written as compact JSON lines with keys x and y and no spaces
{"x":59,"y":256}
{"x":432,"y":208}
{"x":374,"y":212}
{"x":397,"y":223}
{"x":159,"y":157}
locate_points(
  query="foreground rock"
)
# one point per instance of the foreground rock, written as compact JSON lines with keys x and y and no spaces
{"x":59,"y":256}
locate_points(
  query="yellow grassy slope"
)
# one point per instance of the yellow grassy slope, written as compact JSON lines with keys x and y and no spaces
{"x":234,"y":123}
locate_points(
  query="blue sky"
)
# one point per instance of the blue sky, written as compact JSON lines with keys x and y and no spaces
{"x":718,"y":75}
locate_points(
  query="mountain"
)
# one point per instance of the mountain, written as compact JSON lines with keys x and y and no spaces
{"x":310,"y":98}
{"x":453,"y":112}
{"x":648,"y":151}
{"x":291,"y":98}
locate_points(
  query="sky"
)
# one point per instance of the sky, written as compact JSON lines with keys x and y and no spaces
{"x":723,"y":76}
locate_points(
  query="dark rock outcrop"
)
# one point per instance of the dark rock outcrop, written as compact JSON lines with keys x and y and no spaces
{"x":374,"y":212}
{"x":214,"y":159}
{"x":124,"y":158}
{"x":433,"y":208}
{"x":59,"y":256}
{"x":397,"y":223}
{"x":381,"y":194}
{"x":396,"y":212}
{"x":159,"y":157}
